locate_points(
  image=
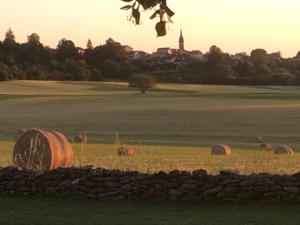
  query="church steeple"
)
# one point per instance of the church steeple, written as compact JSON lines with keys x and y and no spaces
{"x":181,"y":41}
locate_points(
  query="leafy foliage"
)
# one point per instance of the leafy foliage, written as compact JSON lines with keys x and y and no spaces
{"x":32,"y":60}
{"x":141,"y":81}
{"x":160,"y":8}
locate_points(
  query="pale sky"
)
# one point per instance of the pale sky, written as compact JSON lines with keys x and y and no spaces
{"x":233,"y":25}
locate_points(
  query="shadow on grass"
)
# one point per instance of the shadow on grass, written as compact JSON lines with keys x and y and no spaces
{"x":51,"y":211}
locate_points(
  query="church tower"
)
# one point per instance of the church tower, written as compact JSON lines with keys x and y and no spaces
{"x":181,"y":41}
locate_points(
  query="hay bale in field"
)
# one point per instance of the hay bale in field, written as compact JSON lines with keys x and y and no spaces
{"x":265,"y":147}
{"x":259,"y":139}
{"x":20,"y":132}
{"x":284,"y":149}
{"x":221,"y":149}
{"x":42,"y":150}
{"x":125,"y":150}
{"x":80,"y":138}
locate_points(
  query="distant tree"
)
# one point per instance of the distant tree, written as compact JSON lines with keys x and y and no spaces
{"x":282,"y":77}
{"x":4,"y":72}
{"x":76,"y":70}
{"x":141,"y":81}
{"x":111,"y":69}
{"x":245,"y":69}
{"x":66,"y":50}
{"x":89,"y":44}
{"x":259,"y":57}
{"x":17,"y":73}
{"x":215,"y":56}
{"x":33,"y":51}
{"x":126,"y":69}
{"x":289,"y":64}
{"x":262,"y":69}
{"x":221,"y":73}
{"x":191,"y":71}
{"x":143,"y":65}
{"x":96,"y":75}
{"x":33,"y":39}
{"x":35,"y":72}
{"x":89,"y":53}
{"x":111,"y":50}
{"x":9,"y":49}
{"x":9,"y":37}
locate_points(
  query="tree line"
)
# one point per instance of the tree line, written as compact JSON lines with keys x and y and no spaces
{"x":33,"y":60}
{"x":258,"y":68}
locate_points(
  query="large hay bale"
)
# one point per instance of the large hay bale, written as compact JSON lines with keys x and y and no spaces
{"x":125,"y":150}
{"x":20,"y":132}
{"x":284,"y":149}
{"x":221,"y":149}
{"x":42,"y":150}
{"x":266,"y":147}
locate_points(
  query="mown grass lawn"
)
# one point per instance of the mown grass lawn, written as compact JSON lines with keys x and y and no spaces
{"x":50,"y":211}
{"x":173,"y":114}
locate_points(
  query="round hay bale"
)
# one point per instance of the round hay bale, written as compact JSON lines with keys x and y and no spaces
{"x":42,"y":150}
{"x":221,"y":149}
{"x":125,"y":150}
{"x":20,"y":132}
{"x":265,"y":147}
{"x":284,"y":149}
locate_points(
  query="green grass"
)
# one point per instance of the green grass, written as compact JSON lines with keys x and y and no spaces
{"x":156,"y":120}
{"x":49,"y":211}
{"x":171,"y":127}
{"x":152,"y":159}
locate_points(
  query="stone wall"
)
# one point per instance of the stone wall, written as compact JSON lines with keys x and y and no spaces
{"x":177,"y":185}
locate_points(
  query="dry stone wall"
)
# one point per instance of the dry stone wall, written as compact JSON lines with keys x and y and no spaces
{"x":105,"y":184}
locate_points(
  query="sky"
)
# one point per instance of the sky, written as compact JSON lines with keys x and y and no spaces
{"x":233,"y":25}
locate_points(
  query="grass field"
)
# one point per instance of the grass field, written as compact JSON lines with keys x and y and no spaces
{"x":184,"y":115}
{"x":153,"y":159}
{"x":171,"y":127}
{"x":47,"y":211}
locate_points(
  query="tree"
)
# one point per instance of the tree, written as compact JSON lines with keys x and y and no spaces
{"x":66,"y":50}
{"x":160,"y":8}
{"x":259,"y":57}
{"x":96,"y":75}
{"x":33,"y":39}
{"x":33,"y":51}
{"x":9,"y":37}
{"x":34,"y":72}
{"x":191,"y":71}
{"x":9,"y":48}
{"x":143,"y":82}
{"x":221,"y":73}
{"x":215,"y":56}
{"x":76,"y":70}
{"x":282,"y":77}
{"x":89,"y":44}
{"x":111,"y":50}
{"x":245,"y":69}
{"x":4,"y":72}
{"x":111,"y":69}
